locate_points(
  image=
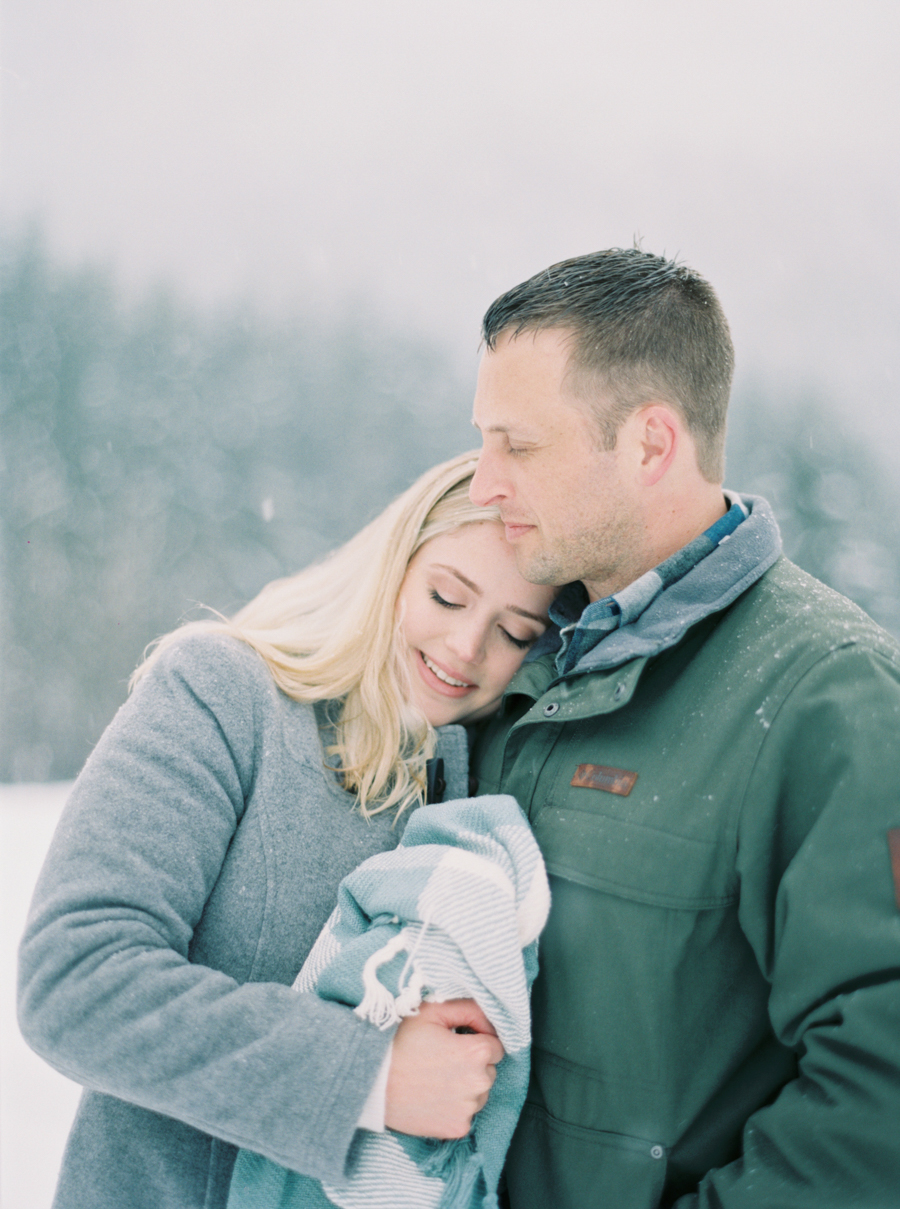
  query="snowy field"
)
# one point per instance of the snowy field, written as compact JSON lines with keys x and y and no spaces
{"x":36,"y":1104}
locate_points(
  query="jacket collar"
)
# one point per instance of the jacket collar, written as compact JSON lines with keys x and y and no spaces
{"x":709,"y":586}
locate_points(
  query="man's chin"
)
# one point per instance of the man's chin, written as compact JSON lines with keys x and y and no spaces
{"x":538,"y":568}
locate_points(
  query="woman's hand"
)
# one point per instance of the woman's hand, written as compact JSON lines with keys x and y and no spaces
{"x":439,"y":1079}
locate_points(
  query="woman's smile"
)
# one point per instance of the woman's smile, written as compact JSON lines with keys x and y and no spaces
{"x":446,"y":682}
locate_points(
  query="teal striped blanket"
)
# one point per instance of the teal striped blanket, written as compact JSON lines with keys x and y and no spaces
{"x":453,"y":912}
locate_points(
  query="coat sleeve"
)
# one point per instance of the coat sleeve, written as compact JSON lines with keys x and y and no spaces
{"x":107,"y":992}
{"x":820,"y":908}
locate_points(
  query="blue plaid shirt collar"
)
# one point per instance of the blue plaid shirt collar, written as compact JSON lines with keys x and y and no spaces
{"x":582,"y":624}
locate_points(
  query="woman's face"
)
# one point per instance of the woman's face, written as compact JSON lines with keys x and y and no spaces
{"x":468,"y":618}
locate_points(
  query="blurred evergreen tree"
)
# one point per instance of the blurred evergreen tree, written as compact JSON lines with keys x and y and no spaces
{"x":838,"y":509}
{"x":155,"y":458}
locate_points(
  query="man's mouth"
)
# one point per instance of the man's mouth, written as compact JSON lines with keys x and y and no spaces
{"x":514,"y":529}
{"x":442,"y":675}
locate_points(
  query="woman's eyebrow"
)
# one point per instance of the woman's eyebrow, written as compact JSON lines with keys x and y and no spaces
{"x":545,"y":620}
{"x":478,"y":592}
{"x":459,"y":575}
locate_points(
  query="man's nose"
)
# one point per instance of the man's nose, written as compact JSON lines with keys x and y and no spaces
{"x":485,"y":487}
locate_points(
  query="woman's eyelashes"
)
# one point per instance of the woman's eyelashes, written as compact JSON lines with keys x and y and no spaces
{"x":521,"y":644}
{"x":445,"y":604}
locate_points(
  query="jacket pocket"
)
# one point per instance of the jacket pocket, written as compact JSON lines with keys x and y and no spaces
{"x":639,"y":916}
{"x":634,"y":861}
{"x":554,"y":1164}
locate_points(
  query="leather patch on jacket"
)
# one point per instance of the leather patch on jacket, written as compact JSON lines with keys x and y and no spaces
{"x":611,"y":780}
{"x":894,"y":849}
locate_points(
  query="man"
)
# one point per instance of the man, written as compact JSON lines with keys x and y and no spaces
{"x":710,"y":762}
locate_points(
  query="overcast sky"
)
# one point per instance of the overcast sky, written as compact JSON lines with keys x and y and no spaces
{"x":427,"y":155}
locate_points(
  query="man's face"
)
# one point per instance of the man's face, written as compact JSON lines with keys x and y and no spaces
{"x":570,"y":507}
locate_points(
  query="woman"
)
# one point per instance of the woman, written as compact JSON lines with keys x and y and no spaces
{"x":201,"y":850}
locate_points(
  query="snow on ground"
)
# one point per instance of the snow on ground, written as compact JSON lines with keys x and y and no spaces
{"x":36,"y":1104}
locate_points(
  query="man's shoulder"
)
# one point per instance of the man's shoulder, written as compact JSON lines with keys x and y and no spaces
{"x":789,"y":603}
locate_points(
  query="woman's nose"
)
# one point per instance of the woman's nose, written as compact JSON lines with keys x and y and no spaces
{"x":467,"y":642}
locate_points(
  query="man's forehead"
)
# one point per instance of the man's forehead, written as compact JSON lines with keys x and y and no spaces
{"x":532,"y":360}
{"x":523,"y":399}
{"x":506,"y":415}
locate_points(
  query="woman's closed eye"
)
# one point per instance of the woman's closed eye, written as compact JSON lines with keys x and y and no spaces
{"x":521,"y":644}
{"x":445,"y":604}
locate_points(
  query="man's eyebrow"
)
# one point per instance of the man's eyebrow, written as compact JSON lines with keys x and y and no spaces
{"x":478,"y":592}
{"x":520,"y":435}
{"x":490,"y":427}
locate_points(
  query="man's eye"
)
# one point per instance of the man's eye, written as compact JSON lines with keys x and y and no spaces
{"x":446,"y":604}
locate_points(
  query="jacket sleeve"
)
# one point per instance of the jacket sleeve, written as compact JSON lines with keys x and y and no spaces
{"x":820,"y":908}
{"x":107,"y":992}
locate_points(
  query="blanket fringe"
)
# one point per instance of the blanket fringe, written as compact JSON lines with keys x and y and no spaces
{"x":379,"y":1005}
{"x":459,"y":1165}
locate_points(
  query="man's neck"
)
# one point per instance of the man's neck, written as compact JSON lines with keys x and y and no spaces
{"x":680,"y":525}
{"x":668,"y":530}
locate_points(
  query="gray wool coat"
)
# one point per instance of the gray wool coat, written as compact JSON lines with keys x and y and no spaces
{"x":193,"y":867}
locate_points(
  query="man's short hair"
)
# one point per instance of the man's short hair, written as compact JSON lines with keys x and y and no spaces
{"x":643,"y":328}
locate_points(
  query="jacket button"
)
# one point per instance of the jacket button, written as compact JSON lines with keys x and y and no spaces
{"x":551,"y":708}
{"x":656,"y":1152}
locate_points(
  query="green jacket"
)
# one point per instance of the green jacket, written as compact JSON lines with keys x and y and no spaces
{"x":717,"y":1016}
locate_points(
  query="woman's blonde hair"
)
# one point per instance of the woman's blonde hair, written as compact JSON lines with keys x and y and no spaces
{"x":330,"y":633}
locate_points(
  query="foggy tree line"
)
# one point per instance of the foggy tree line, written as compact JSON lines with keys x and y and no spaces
{"x":156,"y":457}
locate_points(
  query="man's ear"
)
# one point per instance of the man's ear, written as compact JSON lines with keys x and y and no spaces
{"x":659,"y":435}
